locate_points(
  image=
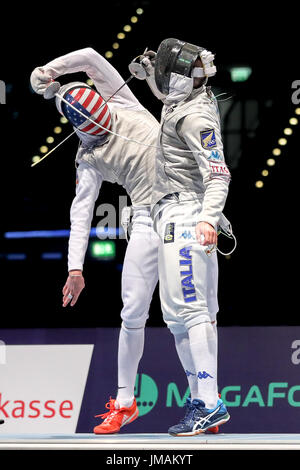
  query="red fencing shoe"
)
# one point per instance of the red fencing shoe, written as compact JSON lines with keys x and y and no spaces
{"x":116,"y":417}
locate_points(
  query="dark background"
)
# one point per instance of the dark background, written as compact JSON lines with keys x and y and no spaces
{"x":257,"y":284}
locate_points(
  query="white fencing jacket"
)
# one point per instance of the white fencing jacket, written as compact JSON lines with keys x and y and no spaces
{"x":191,"y":157}
{"x":115,"y":160}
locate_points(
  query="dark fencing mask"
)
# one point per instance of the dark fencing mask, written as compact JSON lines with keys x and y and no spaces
{"x":174,"y":62}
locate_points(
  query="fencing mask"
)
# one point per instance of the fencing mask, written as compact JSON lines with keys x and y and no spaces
{"x":90,"y":103}
{"x":174,"y":68}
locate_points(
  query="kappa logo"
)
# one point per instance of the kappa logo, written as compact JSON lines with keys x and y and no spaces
{"x":208,"y":139}
{"x":188,"y":373}
{"x":215,"y":157}
{"x":203,"y":375}
{"x":187,"y":235}
{"x":200,"y":375}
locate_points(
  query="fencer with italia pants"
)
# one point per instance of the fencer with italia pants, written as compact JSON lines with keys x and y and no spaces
{"x":113,"y":159}
{"x":191,"y":186}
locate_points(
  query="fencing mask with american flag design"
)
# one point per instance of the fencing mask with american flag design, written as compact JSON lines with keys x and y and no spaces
{"x":88,"y":102}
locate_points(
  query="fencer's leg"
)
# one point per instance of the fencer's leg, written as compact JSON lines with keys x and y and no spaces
{"x":188,"y":291}
{"x":182,"y":344}
{"x":176,"y":326}
{"x":203,"y":344}
{"x":130,"y":351}
{"x":197,"y":351}
{"x":139,"y":278}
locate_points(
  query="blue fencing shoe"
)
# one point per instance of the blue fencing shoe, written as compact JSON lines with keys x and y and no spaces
{"x":199,"y":419}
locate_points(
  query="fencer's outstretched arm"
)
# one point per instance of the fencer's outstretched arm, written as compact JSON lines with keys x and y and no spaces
{"x":105,"y":77}
{"x":215,"y":174}
{"x":87,"y":189}
{"x":88,"y":186}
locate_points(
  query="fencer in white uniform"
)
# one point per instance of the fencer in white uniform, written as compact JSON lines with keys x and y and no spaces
{"x":189,"y":194}
{"x":103,"y":156}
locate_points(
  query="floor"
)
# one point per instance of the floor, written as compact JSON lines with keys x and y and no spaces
{"x":150,"y":441}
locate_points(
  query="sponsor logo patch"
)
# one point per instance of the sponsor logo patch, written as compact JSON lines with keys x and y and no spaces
{"x":169,"y":233}
{"x":208,"y":139}
{"x":219,"y":169}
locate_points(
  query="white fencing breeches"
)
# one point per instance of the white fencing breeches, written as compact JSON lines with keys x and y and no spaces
{"x":140,"y":270}
{"x":188,"y":276}
{"x":139,"y":278}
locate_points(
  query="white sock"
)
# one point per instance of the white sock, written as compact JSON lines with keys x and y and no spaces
{"x":204,"y":350}
{"x":131,"y":346}
{"x":182,"y":344}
